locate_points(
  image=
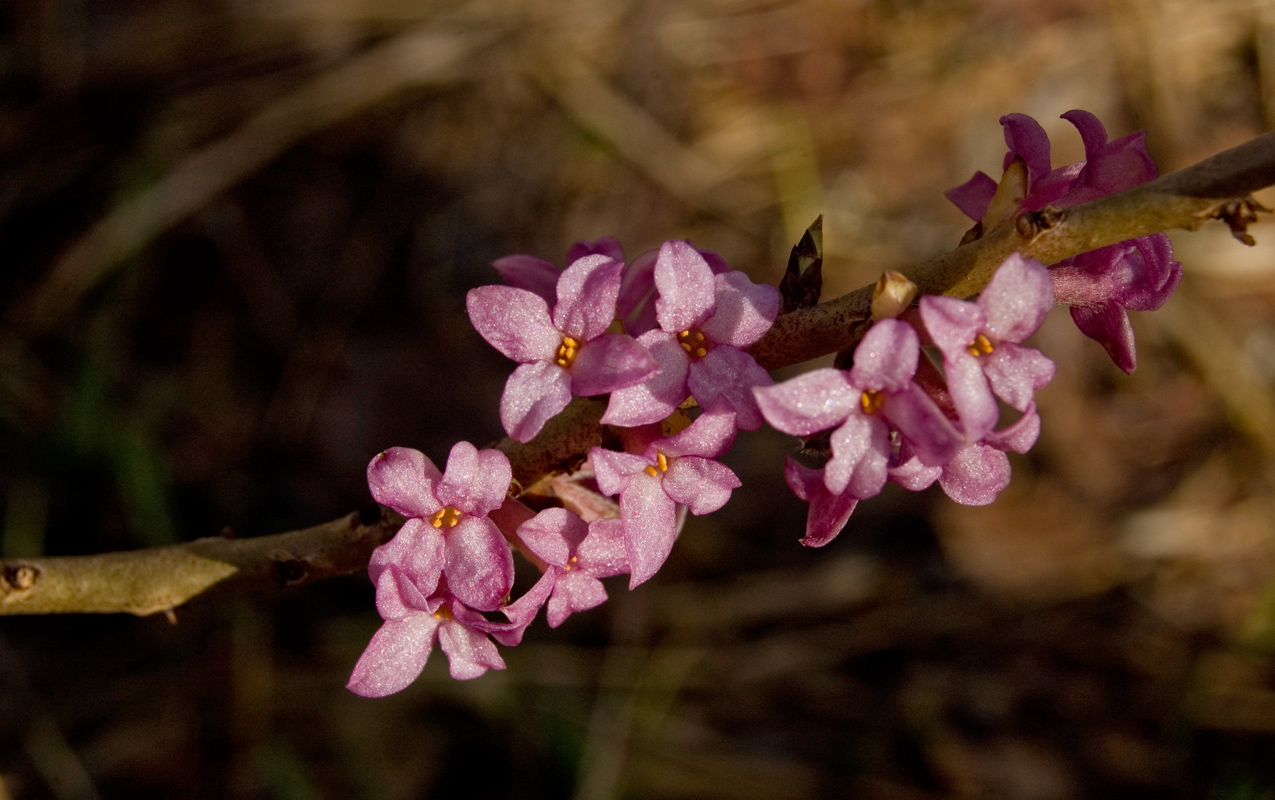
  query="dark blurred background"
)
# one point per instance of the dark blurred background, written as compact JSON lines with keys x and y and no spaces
{"x":236,"y":241}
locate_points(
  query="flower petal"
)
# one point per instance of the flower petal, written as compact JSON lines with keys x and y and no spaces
{"x":952,"y":324}
{"x":613,"y":471}
{"x":528,"y":272}
{"x":514,"y":321}
{"x":974,"y":196}
{"x":1109,"y":326}
{"x":710,"y":435}
{"x":1020,"y":436}
{"x":416,"y":550}
{"x":608,"y":246}
{"x":976,"y":475}
{"x":660,"y":395}
{"x":586,"y":297}
{"x":1025,"y":137}
{"x":745,"y":310}
{"x":650,"y":527}
{"x":1015,"y":373}
{"x":469,"y":652}
{"x":688,"y":293}
{"x":700,"y":484}
{"x":1016,"y":299}
{"x":479,"y":566}
{"x":395,"y":656}
{"x":934,"y":439}
{"x":828,"y":513}
{"x":971,"y":394}
{"x":603,"y":552}
{"x":610,"y":362}
{"x":553,"y":534}
{"x":404,"y":479}
{"x":534,"y":394}
{"x":730,"y":374}
{"x":476,"y":481}
{"x":522,"y":611}
{"x":886,"y":358}
{"x":574,"y":591}
{"x":860,"y":453}
{"x":809,"y":403}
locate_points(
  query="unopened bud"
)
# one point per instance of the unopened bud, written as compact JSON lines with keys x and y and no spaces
{"x":892,"y":295}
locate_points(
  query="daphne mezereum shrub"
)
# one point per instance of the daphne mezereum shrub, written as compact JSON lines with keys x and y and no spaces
{"x":665,"y":338}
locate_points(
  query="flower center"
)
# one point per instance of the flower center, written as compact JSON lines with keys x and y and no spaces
{"x":443,"y":612}
{"x":566,"y":354}
{"x":981,"y":346}
{"x":662,"y":461}
{"x":694,"y":342}
{"x":446,"y":517}
{"x":871,"y":401}
{"x":571,"y":562}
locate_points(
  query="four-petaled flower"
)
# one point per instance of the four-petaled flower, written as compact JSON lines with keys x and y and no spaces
{"x":982,"y":359}
{"x":706,"y":320}
{"x":676,"y":470}
{"x":567,"y":354}
{"x":447,"y":533}
{"x":863,"y":405}
{"x":577,"y":554}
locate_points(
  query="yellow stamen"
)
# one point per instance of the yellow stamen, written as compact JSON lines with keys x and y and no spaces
{"x":693,"y":342}
{"x":871,"y":402}
{"x":443,"y":612}
{"x":663,"y":461}
{"x":651,"y":471}
{"x":566,"y":354}
{"x":446,"y":516}
{"x":981,"y":346}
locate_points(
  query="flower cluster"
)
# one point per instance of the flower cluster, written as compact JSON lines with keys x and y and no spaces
{"x":938,"y":390}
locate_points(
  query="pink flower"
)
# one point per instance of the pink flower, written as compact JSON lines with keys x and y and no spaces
{"x":577,"y":555}
{"x":981,"y":355}
{"x":706,"y":320}
{"x":863,"y":405}
{"x":568,"y":353}
{"x":447,"y":532}
{"x":676,"y":470}
{"x":399,"y":649}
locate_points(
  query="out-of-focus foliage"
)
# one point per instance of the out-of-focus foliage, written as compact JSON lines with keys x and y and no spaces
{"x":236,"y":240}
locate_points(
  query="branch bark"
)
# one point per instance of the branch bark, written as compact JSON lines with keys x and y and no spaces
{"x":157,"y":580}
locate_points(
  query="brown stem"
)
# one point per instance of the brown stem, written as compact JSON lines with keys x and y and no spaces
{"x":159,"y":579}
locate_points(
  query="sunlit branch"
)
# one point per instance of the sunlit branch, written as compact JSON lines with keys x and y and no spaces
{"x":157,"y":580}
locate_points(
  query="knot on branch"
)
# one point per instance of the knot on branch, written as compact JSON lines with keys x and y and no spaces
{"x":1238,"y":215}
{"x":288,"y":570}
{"x":1032,"y":224}
{"x":17,"y":578}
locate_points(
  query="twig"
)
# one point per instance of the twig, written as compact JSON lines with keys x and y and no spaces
{"x":150,"y":581}
{"x":1212,"y":189}
{"x":159,"y":579}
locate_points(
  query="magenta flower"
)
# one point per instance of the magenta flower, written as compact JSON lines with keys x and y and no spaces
{"x":705,"y":322}
{"x":1099,"y":286}
{"x":541,"y":277}
{"x":401,"y":646}
{"x":568,"y":353}
{"x":981,"y":355}
{"x":577,"y":555}
{"x":638,"y":292}
{"x":447,"y":532}
{"x":1109,"y":167}
{"x":676,"y":470}
{"x":863,"y":405}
